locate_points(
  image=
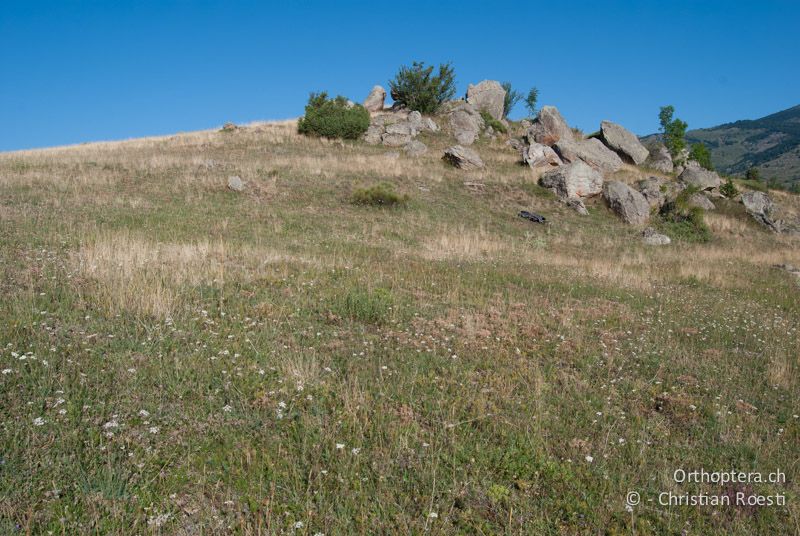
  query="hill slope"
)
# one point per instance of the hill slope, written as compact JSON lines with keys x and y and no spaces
{"x":178,"y":358}
{"x":772,"y":144}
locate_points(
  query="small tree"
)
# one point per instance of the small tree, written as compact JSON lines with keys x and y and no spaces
{"x":701,"y":155}
{"x":673,"y":131}
{"x":753,"y":175}
{"x":418,"y":89}
{"x":530,"y":101}
{"x":511,"y":99}
{"x":729,"y":189}
{"x":333,"y":118}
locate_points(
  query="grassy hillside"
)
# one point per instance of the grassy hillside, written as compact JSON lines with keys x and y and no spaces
{"x":178,"y":358}
{"x":772,"y":144}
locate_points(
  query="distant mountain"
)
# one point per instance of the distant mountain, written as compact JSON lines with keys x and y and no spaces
{"x":771,"y":144}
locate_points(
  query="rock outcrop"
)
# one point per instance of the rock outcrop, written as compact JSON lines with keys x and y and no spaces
{"x":488,"y":96}
{"x":660,"y":159}
{"x":375,"y":100}
{"x":464,"y":120}
{"x":463,"y":158}
{"x":623,"y":142}
{"x":415,"y":148}
{"x":591,"y":151}
{"x":699,"y":177}
{"x":760,"y":206}
{"x":626,"y":202}
{"x":698,"y":200}
{"x":573,"y":180}
{"x":549,"y":127}
{"x":654,"y":191}
{"x":538,"y":155}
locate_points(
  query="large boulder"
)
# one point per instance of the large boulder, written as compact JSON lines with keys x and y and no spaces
{"x":538,"y":155}
{"x":549,"y":127}
{"x":591,"y":151}
{"x":698,"y":200}
{"x":463,"y":158}
{"x":626,"y":202}
{"x":375,"y":99}
{"x":760,"y":206}
{"x":464,"y":120}
{"x":699,"y":177}
{"x":654,"y":190}
{"x":573,"y":180}
{"x":415,"y":148}
{"x":660,"y":159}
{"x":374,"y":134}
{"x":624,"y":142}
{"x":488,"y":96}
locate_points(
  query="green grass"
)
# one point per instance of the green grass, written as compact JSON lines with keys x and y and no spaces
{"x":325,"y":367}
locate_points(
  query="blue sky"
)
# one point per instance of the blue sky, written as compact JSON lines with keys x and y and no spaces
{"x":101,"y":70}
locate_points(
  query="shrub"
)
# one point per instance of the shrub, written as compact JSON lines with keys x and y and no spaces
{"x":673,"y":131}
{"x":417,"y":89}
{"x":729,"y":189}
{"x":511,"y":99}
{"x":492,"y":122}
{"x":379,"y":195}
{"x":333,"y":118}
{"x":700,"y":154}
{"x":530,"y":101}
{"x":753,"y":175}
{"x":681,"y":222}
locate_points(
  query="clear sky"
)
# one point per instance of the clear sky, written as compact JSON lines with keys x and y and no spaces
{"x":75,"y":71}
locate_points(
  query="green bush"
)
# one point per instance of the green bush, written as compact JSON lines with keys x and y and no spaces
{"x":417,"y":89}
{"x":530,"y":101}
{"x":753,"y":175}
{"x":729,"y":189}
{"x":492,"y":122}
{"x":333,"y":118}
{"x":379,"y":195}
{"x":681,"y":222}
{"x":700,"y":154}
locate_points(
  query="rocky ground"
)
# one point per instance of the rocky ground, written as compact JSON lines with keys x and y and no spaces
{"x":202,"y":334}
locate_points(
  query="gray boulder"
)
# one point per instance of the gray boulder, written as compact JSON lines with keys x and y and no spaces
{"x":591,"y":151}
{"x":235,"y":183}
{"x":464,"y":120}
{"x":374,"y":134}
{"x":463,"y":158}
{"x":398,"y":134}
{"x":488,"y":96}
{"x":574,"y":180}
{"x":660,"y":159}
{"x":415,"y":148}
{"x":538,"y":155}
{"x":654,"y":190}
{"x":624,"y":142}
{"x":694,"y":175}
{"x":429,"y":125}
{"x":761,"y":207}
{"x":626,"y":202}
{"x":652,"y":238}
{"x":375,"y":99}
{"x":549,"y":127}
{"x":698,"y":200}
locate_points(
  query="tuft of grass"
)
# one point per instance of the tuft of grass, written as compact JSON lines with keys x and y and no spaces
{"x":379,"y":195}
{"x":368,"y":306}
{"x":494,"y":123}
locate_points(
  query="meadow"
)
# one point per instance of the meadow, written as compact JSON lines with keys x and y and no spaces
{"x":179,"y":358}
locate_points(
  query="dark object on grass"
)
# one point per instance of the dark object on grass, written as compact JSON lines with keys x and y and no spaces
{"x":535,"y":218}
